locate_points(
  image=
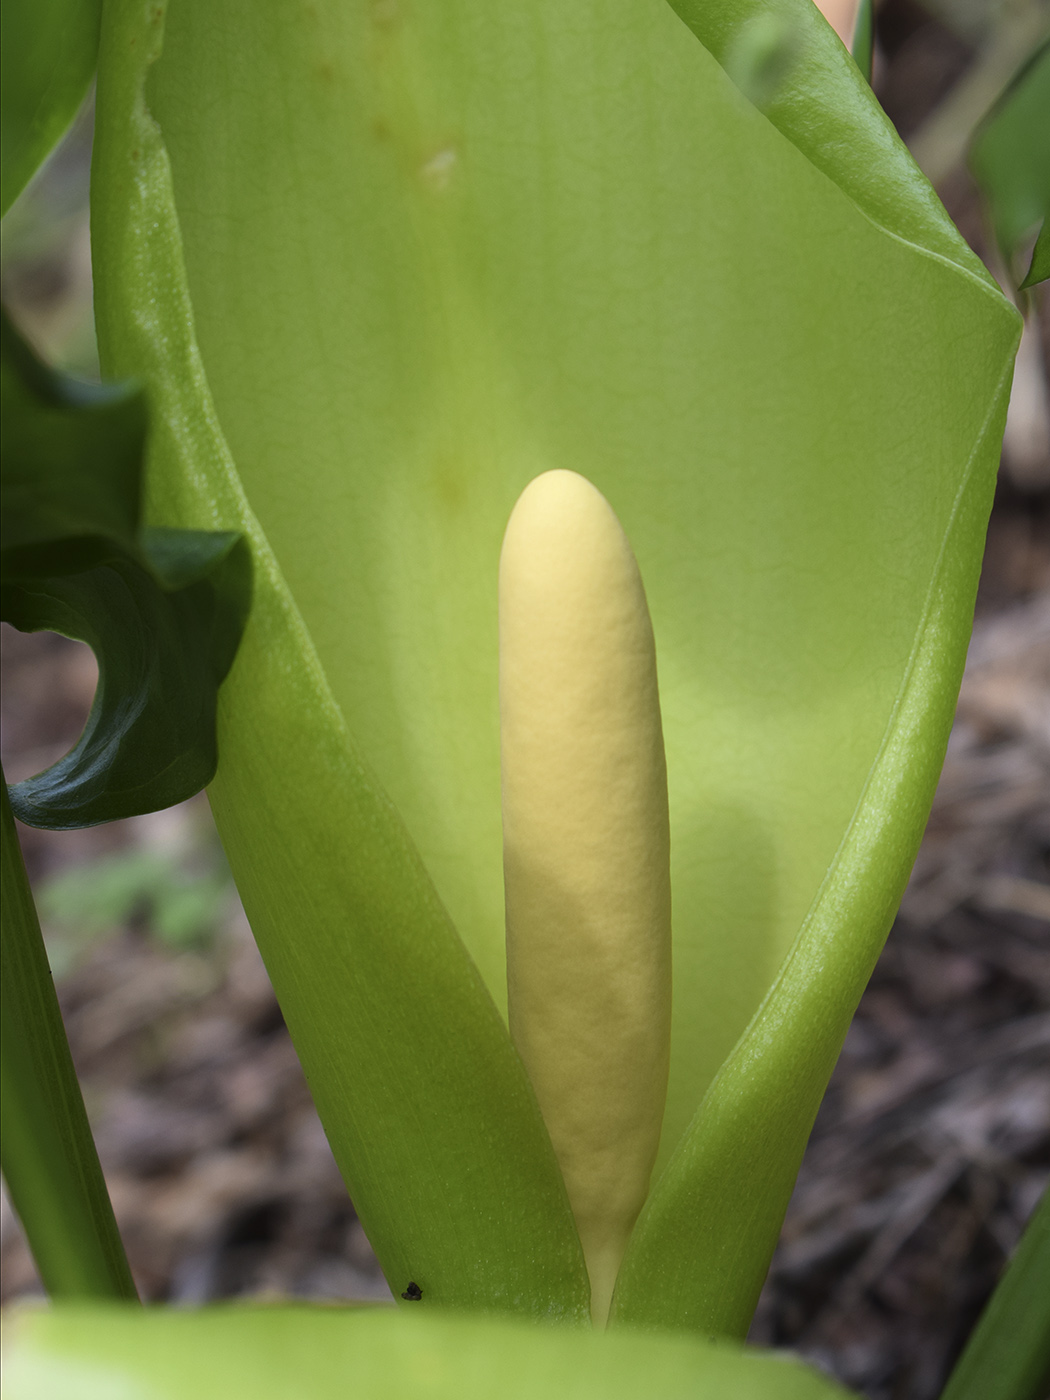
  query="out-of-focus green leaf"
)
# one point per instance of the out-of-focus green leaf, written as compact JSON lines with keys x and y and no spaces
{"x":162,"y":609}
{"x":1010,"y":156}
{"x":1039,"y":267}
{"x":282,"y":1353}
{"x":1008,"y":1355}
{"x":762,"y":56}
{"x":499,"y":241}
{"x":47,"y":57}
{"x":863,"y":44}
{"x":424,"y":1101}
{"x":179,"y":896}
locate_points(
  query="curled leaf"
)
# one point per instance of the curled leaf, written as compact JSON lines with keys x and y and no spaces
{"x":162,"y":609}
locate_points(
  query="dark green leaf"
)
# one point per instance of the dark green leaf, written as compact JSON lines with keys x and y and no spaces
{"x":1039,"y":267}
{"x":162,"y":609}
{"x":70,"y":488}
{"x":836,"y":122}
{"x":1010,"y":157}
{"x":1008,"y":1356}
{"x":47,"y":56}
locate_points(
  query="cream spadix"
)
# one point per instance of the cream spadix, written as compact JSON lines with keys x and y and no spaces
{"x":586,"y":853}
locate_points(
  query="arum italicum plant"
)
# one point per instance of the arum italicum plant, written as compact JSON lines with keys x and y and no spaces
{"x":380,"y":266}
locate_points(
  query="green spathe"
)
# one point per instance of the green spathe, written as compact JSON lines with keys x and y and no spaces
{"x":589,"y":279}
{"x":288,"y":1353}
{"x":426,"y":1106}
{"x":494,"y":243}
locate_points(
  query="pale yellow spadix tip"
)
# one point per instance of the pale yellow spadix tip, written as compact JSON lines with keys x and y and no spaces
{"x":586,"y":853}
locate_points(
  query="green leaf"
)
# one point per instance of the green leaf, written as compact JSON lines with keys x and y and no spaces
{"x":282,"y":1353}
{"x":180,"y":896}
{"x":49,"y":1159}
{"x":426,"y":1105}
{"x":1039,"y":267}
{"x":72,"y":465}
{"x":1010,"y":156}
{"x":494,"y":243}
{"x":701,"y":1249}
{"x":1008,"y":1355}
{"x":162,"y":609}
{"x":150,"y":738}
{"x":47,"y":57}
{"x":835,"y":121}
{"x":863,"y":43}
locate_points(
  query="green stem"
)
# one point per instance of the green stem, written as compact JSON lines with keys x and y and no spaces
{"x":49,"y":1158}
{"x":1008,"y":1355}
{"x":863,"y":45}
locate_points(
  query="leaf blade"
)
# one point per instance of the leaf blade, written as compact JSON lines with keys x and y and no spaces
{"x":701,"y":1250}
{"x":1008,"y":1354}
{"x":1010,"y":154}
{"x":162,"y":609}
{"x":48,"y":55}
{"x":283,"y":1352}
{"x":617,"y":266}
{"x":150,"y":738}
{"x":425,"y":1104}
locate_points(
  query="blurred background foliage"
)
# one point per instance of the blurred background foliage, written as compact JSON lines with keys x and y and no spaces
{"x":178,"y":892}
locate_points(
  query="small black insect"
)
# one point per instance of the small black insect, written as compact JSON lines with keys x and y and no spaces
{"x":413,"y":1293}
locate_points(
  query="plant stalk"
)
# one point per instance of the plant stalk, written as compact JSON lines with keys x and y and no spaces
{"x":49,"y":1158}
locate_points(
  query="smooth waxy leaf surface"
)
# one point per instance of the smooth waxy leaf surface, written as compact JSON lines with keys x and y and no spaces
{"x":47,"y":56}
{"x":325,"y":1354}
{"x":162,"y":609}
{"x":424,"y":1101}
{"x":496,"y":243}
